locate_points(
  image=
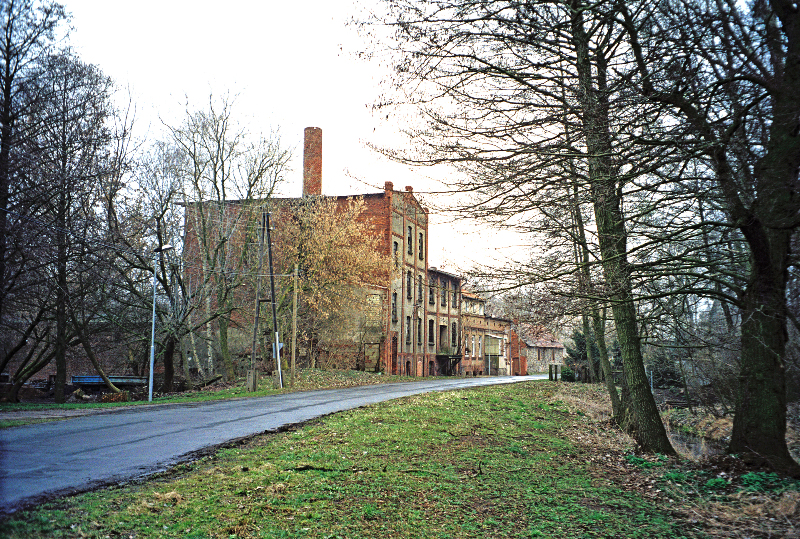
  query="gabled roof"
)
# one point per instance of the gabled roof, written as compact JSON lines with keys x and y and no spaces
{"x":537,"y":337}
{"x":453,"y":276}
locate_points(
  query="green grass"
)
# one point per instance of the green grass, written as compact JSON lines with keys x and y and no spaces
{"x":307,"y":379}
{"x":489,"y":462}
{"x":8,"y":423}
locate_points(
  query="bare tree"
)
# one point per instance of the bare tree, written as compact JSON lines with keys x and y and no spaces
{"x":223,"y":172}
{"x":497,"y":82}
{"x":340,"y":262}
{"x":28,"y":29}
{"x":729,"y":76}
{"x":73,"y":151}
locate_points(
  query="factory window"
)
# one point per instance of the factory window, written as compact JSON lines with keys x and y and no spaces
{"x":431,"y":333}
{"x":408,"y":330}
{"x":394,"y":306}
{"x":421,"y":247}
{"x":409,"y":286}
{"x":419,"y":330}
{"x":410,"y":241}
{"x":419,"y":289}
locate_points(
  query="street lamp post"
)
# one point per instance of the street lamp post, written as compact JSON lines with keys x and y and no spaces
{"x":157,"y":250}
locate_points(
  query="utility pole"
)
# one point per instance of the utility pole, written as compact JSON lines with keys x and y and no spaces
{"x":294,"y":322}
{"x":274,"y":306}
{"x":252,"y":377}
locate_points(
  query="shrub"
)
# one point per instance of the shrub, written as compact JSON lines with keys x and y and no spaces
{"x":567,"y":374}
{"x":716,"y":483}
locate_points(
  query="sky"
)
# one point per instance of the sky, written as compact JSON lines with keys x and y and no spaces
{"x":287,"y":66}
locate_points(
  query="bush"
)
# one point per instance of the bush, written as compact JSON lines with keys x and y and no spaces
{"x":567,"y":374}
{"x":665,"y":372}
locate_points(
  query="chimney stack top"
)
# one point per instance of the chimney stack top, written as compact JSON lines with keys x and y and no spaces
{"x":312,"y":161}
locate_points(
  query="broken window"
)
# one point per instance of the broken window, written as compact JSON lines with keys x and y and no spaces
{"x":410,"y":241}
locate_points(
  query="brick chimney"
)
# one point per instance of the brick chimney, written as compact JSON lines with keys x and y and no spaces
{"x":312,"y":161}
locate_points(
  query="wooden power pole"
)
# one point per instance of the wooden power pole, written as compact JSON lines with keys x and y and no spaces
{"x":274,"y":306}
{"x":294,"y":322}
{"x":252,"y":375}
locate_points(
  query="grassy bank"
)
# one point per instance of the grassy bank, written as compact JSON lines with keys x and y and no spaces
{"x":523,"y":460}
{"x":307,"y":379}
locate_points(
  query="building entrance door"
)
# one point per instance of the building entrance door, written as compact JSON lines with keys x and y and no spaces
{"x":394,"y":354}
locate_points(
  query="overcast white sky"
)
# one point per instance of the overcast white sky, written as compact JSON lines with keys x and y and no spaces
{"x":289,"y":65}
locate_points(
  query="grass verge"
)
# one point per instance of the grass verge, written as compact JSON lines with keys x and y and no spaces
{"x":506,"y":461}
{"x":307,"y":379}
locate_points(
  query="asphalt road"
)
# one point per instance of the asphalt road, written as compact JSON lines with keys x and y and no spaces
{"x":40,"y":462}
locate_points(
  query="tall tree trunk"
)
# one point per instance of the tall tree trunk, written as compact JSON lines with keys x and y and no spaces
{"x":6,"y":123}
{"x":169,"y":365}
{"x":599,"y":327}
{"x":587,"y":338}
{"x":227,"y":362}
{"x":607,"y":201}
{"x":61,"y":302}
{"x":759,"y":425}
